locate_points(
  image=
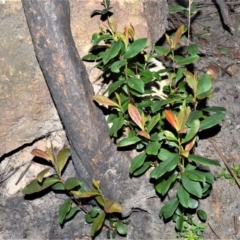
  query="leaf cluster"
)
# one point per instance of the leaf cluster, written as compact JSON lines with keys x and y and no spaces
{"x":163,"y":125}
{"x":76,"y":192}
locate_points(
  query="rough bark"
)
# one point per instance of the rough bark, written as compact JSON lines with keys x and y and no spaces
{"x":94,"y":155}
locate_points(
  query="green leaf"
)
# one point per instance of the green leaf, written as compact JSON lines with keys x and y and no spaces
{"x":164,"y":154}
{"x":192,"y":131}
{"x":72,"y":183}
{"x":169,"y":208}
{"x":212,"y":120}
{"x":160,"y":50}
{"x":142,"y":169}
{"x":97,"y":38}
{"x":193,"y":203}
{"x":91,"y":57}
{"x":187,"y":60}
{"x":135,"y":48}
{"x":203,"y":161}
{"x":152,"y":123}
{"x":177,"y":8}
{"x":179,"y":74}
{"x":208,"y":176}
{"x":114,"y":86}
{"x":153,"y":148}
{"x":137,"y":162}
{"x":128,"y":141}
{"x":202,"y":215}
{"x":94,"y":212}
{"x":64,"y":210}
{"x":41,"y":175}
{"x":72,"y":212}
{"x":136,"y":84}
{"x":183,"y":196}
{"x":97,"y":223}
{"x":170,"y":136}
{"x":179,"y":223}
{"x":192,"y":187}
{"x":58,"y":186}
{"x":214,"y":109}
{"x":163,"y":187}
{"x":34,"y":186}
{"x":192,"y":49}
{"x":193,"y":116}
{"x":166,"y":166}
{"x":115,"y":67}
{"x":112,"y":51}
{"x":204,"y":84}
{"x":195,"y":175}
{"x":117,"y":124}
{"x":88,"y":218}
{"x":62,"y":158}
{"x":121,"y":228}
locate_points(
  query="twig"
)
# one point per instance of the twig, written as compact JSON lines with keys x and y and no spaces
{"x":224,"y":160}
{"x":13,"y":172}
{"x":24,"y":172}
{"x":217,"y":234}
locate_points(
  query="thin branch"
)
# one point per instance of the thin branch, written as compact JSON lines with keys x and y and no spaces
{"x":224,"y":160}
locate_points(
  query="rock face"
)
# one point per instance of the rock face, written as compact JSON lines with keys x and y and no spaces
{"x":27,"y":110}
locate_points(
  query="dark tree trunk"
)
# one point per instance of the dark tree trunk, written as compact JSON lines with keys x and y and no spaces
{"x":94,"y":155}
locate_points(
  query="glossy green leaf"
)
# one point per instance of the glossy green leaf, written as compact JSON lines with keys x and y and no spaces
{"x":135,"y":48}
{"x":164,"y":154}
{"x":116,"y":66}
{"x":112,"y":51}
{"x":212,"y":120}
{"x":202,"y":215}
{"x":179,"y":74}
{"x":163,"y":187}
{"x":58,"y":186}
{"x":136,"y":84}
{"x":208,"y":176}
{"x":91,"y":57}
{"x":166,"y":166}
{"x":187,"y":60}
{"x":84,"y":194}
{"x":72,"y":212}
{"x":195,"y":175}
{"x":97,"y":38}
{"x":153,"y":148}
{"x":193,"y":116}
{"x":193,"y":203}
{"x":176,"y":8}
{"x":192,"y":49}
{"x":204,"y":84}
{"x":116,"y":126}
{"x":128,"y":141}
{"x":62,"y":158}
{"x":169,"y":208}
{"x":192,"y":131}
{"x":179,"y":223}
{"x":94,"y":212}
{"x":160,"y":50}
{"x":114,"y":86}
{"x":88,"y":218}
{"x":34,"y":186}
{"x":192,"y":187}
{"x":153,"y":122}
{"x":170,"y":136}
{"x":41,"y":175}
{"x":142,"y":169}
{"x":183,"y":196}
{"x":204,"y":161}
{"x":121,"y":228}
{"x":64,"y":210}
{"x":97,"y":223}
{"x":137,"y":162}
{"x":214,"y":109}
{"x":72,"y":183}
